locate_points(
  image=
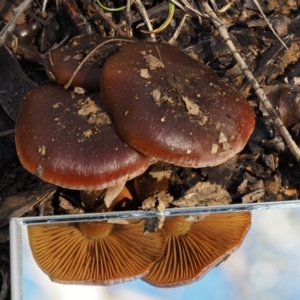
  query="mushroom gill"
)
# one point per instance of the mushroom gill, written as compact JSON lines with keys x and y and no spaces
{"x":193,"y":248}
{"x":95,"y":252}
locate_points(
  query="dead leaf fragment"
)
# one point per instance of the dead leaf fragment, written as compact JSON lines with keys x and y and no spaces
{"x":204,"y":194}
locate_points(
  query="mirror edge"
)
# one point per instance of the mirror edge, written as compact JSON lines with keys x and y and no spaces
{"x":16,"y":256}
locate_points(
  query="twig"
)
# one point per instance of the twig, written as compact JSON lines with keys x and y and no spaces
{"x":166,"y":23}
{"x":151,"y":11}
{"x":7,"y":132}
{"x":177,"y":31}
{"x":10,"y":26}
{"x":256,"y":87}
{"x":190,"y":7}
{"x":183,"y":7}
{"x":82,"y":26}
{"x":66,"y":37}
{"x":214,"y":5}
{"x":36,"y":18}
{"x":143,"y":11}
{"x":128,"y":18}
{"x":91,"y":54}
{"x":110,"y":23}
{"x":44,"y":199}
{"x":269,"y":24}
{"x":224,"y":8}
{"x":45,"y":2}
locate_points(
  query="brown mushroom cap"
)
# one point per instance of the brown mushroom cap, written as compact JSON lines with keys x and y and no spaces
{"x":68,"y":140}
{"x":62,"y":62}
{"x":173,"y":108}
{"x":94,"y":252}
{"x":194,"y":248}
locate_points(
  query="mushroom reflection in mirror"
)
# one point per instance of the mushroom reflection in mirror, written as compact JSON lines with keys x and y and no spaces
{"x":194,"y":248}
{"x":95,"y":252}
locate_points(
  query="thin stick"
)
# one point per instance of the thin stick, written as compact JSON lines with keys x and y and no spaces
{"x":7,"y":132}
{"x":83,"y":27}
{"x":258,"y":90}
{"x":168,"y":20}
{"x":44,"y":5}
{"x":151,"y":11}
{"x":269,"y":24}
{"x":143,"y":11}
{"x":10,"y":26}
{"x":224,"y":8}
{"x":44,"y":199}
{"x":214,"y":5}
{"x":190,"y":7}
{"x":91,"y":54}
{"x":177,"y":31}
{"x":36,"y":18}
{"x":183,"y":8}
{"x":110,"y":23}
{"x":128,"y":18}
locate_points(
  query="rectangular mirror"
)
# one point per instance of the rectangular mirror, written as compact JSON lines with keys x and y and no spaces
{"x":62,"y":257}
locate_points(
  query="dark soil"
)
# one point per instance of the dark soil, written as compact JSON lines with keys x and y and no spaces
{"x":264,"y":171}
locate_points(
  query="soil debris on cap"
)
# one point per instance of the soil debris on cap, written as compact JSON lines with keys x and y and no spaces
{"x":191,"y":106}
{"x":154,"y":62}
{"x":144,"y":73}
{"x":88,"y":108}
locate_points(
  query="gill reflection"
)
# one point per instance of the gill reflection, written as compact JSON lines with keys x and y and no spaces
{"x":95,"y":252}
{"x":107,"y":253}
{"x":195,"y":245}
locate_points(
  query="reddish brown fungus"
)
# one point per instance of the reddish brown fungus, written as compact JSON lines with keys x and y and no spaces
{"x":174,"y":108}
{"x":61,"y":63}
{"x":95,"y":252}
{"x":68,"y":140}
{"x":194,"y":248}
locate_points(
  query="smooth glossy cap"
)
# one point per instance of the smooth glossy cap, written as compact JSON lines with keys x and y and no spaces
{"x":68,"y":140}
{"x":174,"y":108}
{"x":194,"y":248}
{"x":62,"y":62}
